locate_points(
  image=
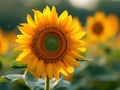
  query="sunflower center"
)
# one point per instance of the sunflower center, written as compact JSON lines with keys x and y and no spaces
{"x":52,"y":43}
{"x":49,"y":44}
{"x":98,"y":28}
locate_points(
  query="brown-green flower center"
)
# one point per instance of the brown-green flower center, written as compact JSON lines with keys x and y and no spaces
{"x":49,"y":44}
{"x":98,"y":28}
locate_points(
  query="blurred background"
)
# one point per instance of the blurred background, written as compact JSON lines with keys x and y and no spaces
{"x":100,"y":70}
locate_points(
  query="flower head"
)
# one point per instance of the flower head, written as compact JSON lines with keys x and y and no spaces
{"x":50,"y":43}
{"x":100,"y":27}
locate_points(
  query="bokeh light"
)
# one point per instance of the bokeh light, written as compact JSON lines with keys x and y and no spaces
{"x":84,"y":4}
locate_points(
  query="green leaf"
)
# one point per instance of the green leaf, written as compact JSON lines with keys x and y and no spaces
{"x":61,"y":85}
{"x":39,"y":84}
{"x":18,"y":84}
{"x":13,"y":77}
{"x":60,"y":88}
{"x":19,"y":81}
{"x":17,"y":65}
{"x":3,"y":79}
{"x":13,"y":82}
{"x":33,"y":83}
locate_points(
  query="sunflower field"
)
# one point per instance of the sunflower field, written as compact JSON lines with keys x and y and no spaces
{"x":59,"y":45}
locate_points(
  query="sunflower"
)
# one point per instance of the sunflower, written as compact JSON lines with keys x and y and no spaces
{"x":3,"y":43}
{"x":50,"y":43}
{"x":101,"y":27}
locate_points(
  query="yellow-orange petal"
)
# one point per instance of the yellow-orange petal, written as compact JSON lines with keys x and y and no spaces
{"x":78,"y":35}
{"x":32,"y":66}
{"x":63,"y":71}
{"x":44,"y":74}
{"x":22,"y":47}
{"x":40,"y":66}
{"x":54,"y":16}
{"x":46,"y":11}
{"x":49,"y":70}
{"x":70,"y":69}
{"x":23,"y":54}
{"x":56,"y":71}
{"x":72,"y":61}
{"x":63,"y":16}
{"x":75,"y":55}
{"x":38,"y":16}
{"x":30,"y":21}
{"x":26,"y":30}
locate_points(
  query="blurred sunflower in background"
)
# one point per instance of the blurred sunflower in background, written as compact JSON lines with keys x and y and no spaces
{"x":50,"y":43}
{"x":3,"y":43}
{"x":11,"y":37}
{"x":100,"y":27}
{"x":114,"y":24}
{"x":116,"y":43}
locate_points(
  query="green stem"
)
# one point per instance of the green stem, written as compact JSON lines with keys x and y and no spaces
{"x":47,"y":87}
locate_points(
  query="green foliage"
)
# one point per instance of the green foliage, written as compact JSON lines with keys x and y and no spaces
{"x":2,"y":80}
{"x":18,"y":84}
{"x":91,"y":77}
{"x":28,"y":82}
{"x":17,"y":65}
{"x":13,"y":82}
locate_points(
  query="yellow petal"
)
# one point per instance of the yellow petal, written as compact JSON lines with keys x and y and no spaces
{"x":22,"y":41}
{"x":72,"y":61}
{"x":47,"y":16}
{"x":76,"y":30}
{"x":44,"y":74}
{"x":24,"y":37}
{"x":56,"y":71}
{"x":66,"y":63}
{"x":69,"y":28}
{"x":23,"y":54}
{"x":27,"y":59}
{"x":61,"y":64}
{"x":49,"y":70}
{"x":38,"y":16}
{"x":33,"y":64}
{"x":81,"y":49}
{"x":30,"y":21}
{"x":70,"y":69}
{"x":54,"y":16}
{"x":22,"y":47}
{"x":26,"y":30}
{"x":78,"y":35}
{"x":77,"y":43}
{"x":63,"y":72}
{"x":75,"y":54}
{"x":40,"y":66}
{"x":63,"y":15}
{"x":46,"y":11}
{"x":66,"y":21}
